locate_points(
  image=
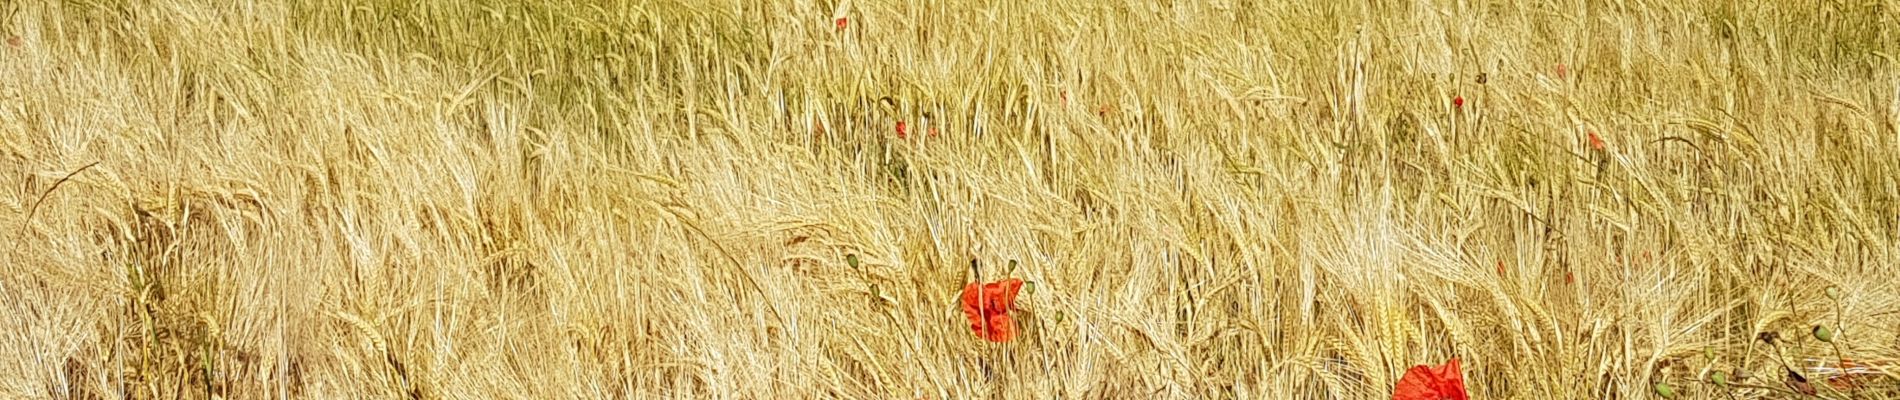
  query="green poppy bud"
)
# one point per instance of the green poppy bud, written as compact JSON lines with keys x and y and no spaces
{"x":852,"y":260}
{"x":1719,"y":378}
{"x":1823,"y":334}
{"x":1663,"y":390}
{"x":1834,"y":292}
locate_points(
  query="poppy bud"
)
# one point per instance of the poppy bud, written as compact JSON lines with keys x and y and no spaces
{"x":1834,"y":292}
{"x":852,"y":260}
{"x":1029,"y":287}
{"x":1823,"y":334}
{"x":1663,"y":390}
{"x":1718,"y":378}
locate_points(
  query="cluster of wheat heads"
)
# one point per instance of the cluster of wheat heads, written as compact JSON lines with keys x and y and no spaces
{"x":709,"y":199}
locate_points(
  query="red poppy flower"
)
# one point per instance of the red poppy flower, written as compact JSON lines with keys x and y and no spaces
{"x":1427,"y":383}
{"x":902,"y":131}
{"x":987,"y":306}
{"x":1458,"y":101}
{"x":933,"y":131}
{"x":1563,"y":72}
{"x":1596,"y":143}
{"x":841,"y":22}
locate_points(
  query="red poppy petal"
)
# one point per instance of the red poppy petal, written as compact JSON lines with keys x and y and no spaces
{"x":1416,"y":385}
{"x":1006,"y":294}
{"x":970,"y":305}
{"x":1422,"y":382}
{"x":1451,"y":381}
{"x":1002,"y":329}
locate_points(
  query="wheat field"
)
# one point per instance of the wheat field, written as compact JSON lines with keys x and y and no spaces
{"x":495,"y":199}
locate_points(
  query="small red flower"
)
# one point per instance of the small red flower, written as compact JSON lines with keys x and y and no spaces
{"x":902,"y":131}
{"x":1570,"y":278}
{"x":1596,"y":143}
{"x":1065,"y":97}
{"x":1458,"y":101}
{"x":13,"y":41}
{"x":1423,"y":382}
{"x":933,"y":131}
{"x":1563,"y":72}
{"x":1102,"y":111}
{"x":841,"y":22}
{"x":987,"y":307}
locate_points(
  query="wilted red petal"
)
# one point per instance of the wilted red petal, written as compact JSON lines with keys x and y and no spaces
{"x":1596,"y":143}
